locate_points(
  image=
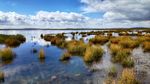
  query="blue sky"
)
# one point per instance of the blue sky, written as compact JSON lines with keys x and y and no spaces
{"x":70,"y":13}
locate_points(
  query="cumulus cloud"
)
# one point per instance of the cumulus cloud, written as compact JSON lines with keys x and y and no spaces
{"x":135,"y":10}
{"x":116,"y":13}
{"x":43,"y":19}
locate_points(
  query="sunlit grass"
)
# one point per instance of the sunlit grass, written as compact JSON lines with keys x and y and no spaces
{"x":99,"y":39}
{"x":41,"y":54}
{"x":76,"y":47}
{"x":146,"y":46}
{"x":128,"y":77}
{"x":6,"y":54}
{"x":66,"y":56}
{"x":12,"y":40}
{"x":93,"y":53}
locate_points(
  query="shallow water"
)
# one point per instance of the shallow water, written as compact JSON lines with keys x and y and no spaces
{"x":26,"y":68}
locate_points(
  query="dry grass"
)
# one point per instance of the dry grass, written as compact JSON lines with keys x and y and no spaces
{"x":146,"y":46}
{"x":115,"y":48}
{"x":127,"y":77}
{"x":128,"y":62}
{"x":66,"y":56}
{"x":6,"y":54}
{"x":99,"y":39}
{"x":93,"y":53}
{"x":75,"y":47}
{"x":41,"y":54}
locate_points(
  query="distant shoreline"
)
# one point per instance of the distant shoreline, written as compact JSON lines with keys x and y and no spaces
{"x":78,"y":29}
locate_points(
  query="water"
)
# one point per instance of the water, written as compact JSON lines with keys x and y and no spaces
{"x":26,"y":68}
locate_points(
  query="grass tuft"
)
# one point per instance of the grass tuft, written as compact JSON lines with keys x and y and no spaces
{"x":99,"y":39}
{"x":41,"y":54}
{"x":66,"y":56}
{"x":128,"y":77}
{"x":6,"y":54}
{"x":93,"y":53}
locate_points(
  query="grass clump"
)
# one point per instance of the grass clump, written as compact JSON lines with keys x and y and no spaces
{"x":1,"y":76}
{"x":146,"y":46}
{"x":41,"y":54}
{"x":93,"y":53}
{"x":6,"y":54}
{"x":12,"y":40}
{"x":129,"y":43}
{"x":99,"y":39}
{"x":125,"y":42}
{"x":121,"y":55}
{"x":112,"y":72}
{"x":115,"y":48}
{"x":66,"y":56}
{"x":58,"y":40}
{"x":128,"y":77}
{"x":128,"y":62}
{"x":75,"y":47}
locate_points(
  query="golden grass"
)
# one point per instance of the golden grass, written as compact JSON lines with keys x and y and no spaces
{"x":93,"y":53}
{"x":115,"y":48}
{"x":128,"y":77}
{"x":6,"y":54}
{"x":146,"y":46}
{"x":66,"y":56}
{"x":99,"y":39}
{"x":41,"y":54}
{"x":75,"y":47}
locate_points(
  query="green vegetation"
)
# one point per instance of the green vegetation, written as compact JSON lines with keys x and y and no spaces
{"x":128,"y":77}
{"x":128,"y":62}
{"x":99,"y":39}
{"x":6,"y":54}
{"x":41,"y":54}
{"x":66,"y":56}
{"x":93,"y":53}
{"x":112,"y":71}
{"x":12,"y":40}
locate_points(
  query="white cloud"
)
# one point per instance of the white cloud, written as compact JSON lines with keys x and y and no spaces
{"x":117,"y":13}
{"x":42,"y":19}
{"x":135,"y":10}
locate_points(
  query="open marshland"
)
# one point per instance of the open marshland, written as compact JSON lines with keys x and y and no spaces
{"x":75,"y":56}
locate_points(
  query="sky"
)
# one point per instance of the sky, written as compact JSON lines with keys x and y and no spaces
{"x":74,"y":13}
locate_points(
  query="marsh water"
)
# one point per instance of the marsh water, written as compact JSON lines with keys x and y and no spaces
{"x":26,"y":68}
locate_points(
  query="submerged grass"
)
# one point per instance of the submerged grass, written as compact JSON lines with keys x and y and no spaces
{"x":41,"y":54}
